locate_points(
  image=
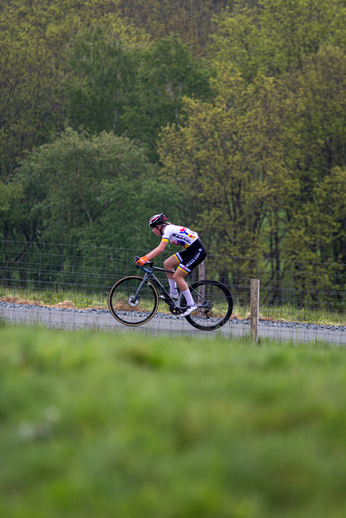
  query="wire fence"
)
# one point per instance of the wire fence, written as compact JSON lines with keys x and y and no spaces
{"x":290,"y":290}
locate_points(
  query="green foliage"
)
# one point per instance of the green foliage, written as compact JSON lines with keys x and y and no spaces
{"x":317,"y":214}
{"x":277,"y":35}
{"x":129,"y":206}
{"x":104,"y":73}
{"x":192,"y":20}
{"x":19,"y":217}
{"x":269,"y":166}
{"x":95,"y":422}
{"x":168,"y":72}
{"x":98,"y":190}
{"x":34,"y":36}
{"x":121,"y":84}
{"x":258,"y":158}
{"x":30,"y":76}
{"x":230,"y":157}
{"x":9,"y":195}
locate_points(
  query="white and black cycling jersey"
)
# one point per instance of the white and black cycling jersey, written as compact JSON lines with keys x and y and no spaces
{"x":182,"y":236}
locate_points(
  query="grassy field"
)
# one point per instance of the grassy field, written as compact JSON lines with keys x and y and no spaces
{"x":82,"y":300}
{"x":105,"y":425}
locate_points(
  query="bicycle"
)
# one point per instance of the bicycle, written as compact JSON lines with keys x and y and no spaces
{"x":133,"y":300}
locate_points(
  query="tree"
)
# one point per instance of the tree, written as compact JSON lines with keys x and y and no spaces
{"x":95,"y":189}
{"x":274,"y":37}
{"x":34,"y":38}
{"x":192,"y":21}
{"x":318,"y":211}
{"x":303,"y":43}
{"x":168,"y":72}
{"x":129,"y":87}
{"x":104,"y":68}
{"x":230,"y":158}
{"x":30,"y":76}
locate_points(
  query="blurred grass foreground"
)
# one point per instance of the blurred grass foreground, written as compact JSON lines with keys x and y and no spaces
{"x":101,"y":425}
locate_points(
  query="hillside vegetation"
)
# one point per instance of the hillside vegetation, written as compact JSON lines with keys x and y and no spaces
{"x":229,"y":116}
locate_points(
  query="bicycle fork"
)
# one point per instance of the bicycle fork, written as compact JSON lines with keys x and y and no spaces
{"x":134,"y":299}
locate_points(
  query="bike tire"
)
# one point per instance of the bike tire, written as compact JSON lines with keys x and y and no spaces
{"x":132,"y":313}
{"x":217,"y":312}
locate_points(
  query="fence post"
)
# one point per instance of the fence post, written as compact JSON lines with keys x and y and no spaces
{"x":201,"y":271}
{"x":254,"y":309}
{"x":201,"y":277}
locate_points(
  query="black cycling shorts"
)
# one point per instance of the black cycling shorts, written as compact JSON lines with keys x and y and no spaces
{"x":191,"y":257}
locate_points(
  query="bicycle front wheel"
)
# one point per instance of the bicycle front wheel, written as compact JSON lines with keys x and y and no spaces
{"x":129,"y":306}
{"x":215,"y":305}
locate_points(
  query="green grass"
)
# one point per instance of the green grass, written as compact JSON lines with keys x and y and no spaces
{"x":51,"y":297}
{"x":105,"y":425}
{"x":296,"y":314}
{"x":84,"y":300}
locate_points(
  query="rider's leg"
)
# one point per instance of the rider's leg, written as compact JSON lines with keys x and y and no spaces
{"x":179,"y":276}
{"x":188,"y":260}
{"x":168,"y":265}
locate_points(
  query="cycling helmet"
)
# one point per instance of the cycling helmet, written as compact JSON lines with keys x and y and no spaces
{"x":158,"y":219}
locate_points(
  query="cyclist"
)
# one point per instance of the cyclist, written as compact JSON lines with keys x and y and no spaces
{"x":192,"y":255}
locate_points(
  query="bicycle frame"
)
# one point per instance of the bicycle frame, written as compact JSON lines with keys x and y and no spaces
{"x":212,"y":299}
{"x":174,"y":305}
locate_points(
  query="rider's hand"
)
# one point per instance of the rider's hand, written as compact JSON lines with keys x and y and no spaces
{"x":142,"y":260}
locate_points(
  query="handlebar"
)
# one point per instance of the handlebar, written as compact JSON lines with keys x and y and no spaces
{"x":148,"y":263}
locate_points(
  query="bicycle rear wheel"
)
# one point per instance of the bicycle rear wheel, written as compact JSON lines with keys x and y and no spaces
{"x":128,"y":310}
{"x":214,"y":303}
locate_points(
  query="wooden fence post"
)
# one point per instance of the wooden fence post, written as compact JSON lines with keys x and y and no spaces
{"x":201,"y":289}
{"x":254,"y":309}
{"x":201,"y":271}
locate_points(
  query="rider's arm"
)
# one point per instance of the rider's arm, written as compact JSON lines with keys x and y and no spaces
{"x":154,"y":253}
{"x":157,"y":251}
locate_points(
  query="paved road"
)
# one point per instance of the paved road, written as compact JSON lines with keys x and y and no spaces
{"x":78,"y":319}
